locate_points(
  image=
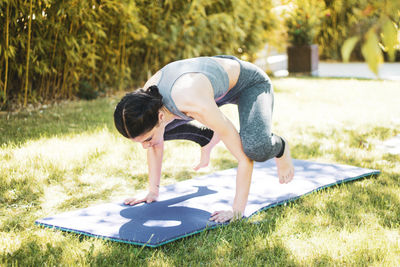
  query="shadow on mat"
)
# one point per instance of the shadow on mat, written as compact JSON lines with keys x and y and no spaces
{"x":160,"y":221}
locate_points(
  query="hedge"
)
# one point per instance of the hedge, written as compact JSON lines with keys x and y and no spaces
{"x":57,"y":49}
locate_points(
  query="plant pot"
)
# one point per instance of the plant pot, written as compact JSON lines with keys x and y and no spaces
{"x":303,"y":59}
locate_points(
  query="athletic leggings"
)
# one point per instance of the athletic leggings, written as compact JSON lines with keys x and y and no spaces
{"x":253,"y":94}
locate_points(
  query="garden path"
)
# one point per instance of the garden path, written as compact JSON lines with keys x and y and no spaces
{"x":277,"y":64}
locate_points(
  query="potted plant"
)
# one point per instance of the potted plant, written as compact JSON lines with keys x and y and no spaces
{"x":302,"y":22}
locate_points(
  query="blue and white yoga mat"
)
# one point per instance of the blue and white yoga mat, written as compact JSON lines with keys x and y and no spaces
{"x":184,"y":208}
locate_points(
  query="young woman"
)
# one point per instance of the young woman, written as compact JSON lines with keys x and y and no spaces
{"x":193,"y":89}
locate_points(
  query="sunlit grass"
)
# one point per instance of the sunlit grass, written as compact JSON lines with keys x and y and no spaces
{"x":69,"y":156}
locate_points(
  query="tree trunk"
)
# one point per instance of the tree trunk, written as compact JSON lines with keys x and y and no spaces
{"x":6,"y":56}
{"x":27,"y":54}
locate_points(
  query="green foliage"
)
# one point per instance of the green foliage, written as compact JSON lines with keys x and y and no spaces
{"x":347,"y":29}
{"x":371,"y":51}
{"x":347,"y":47}
{"x":353,"y":29}
{"x":343,"y":19}
{"x":116,"y":44}
{"x":303,"y":21}
{"x":383,"y":35}
{"x":390,"y":40}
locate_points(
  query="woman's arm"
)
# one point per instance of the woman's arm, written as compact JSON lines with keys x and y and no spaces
{"x":154,"y":162}
{"x":213,"y":118}
{"x":198,"y":102}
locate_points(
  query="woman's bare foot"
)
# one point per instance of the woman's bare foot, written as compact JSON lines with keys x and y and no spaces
{"x":206,"y":151}
{"x":285,"y":166}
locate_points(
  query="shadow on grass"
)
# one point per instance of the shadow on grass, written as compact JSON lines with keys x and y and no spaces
{"x":224,"y":159}
{"x":350,"y":203}
{"x":20,"y":192}
{"x":379,"y":132}
{"x":306,"y":151}
{"x":372,"y":196}
{"x":179,"y":176}
{"x":270,"y":256}
{"x":32,"y":253}
{"x":323,"y":260}
{"x":224,"y":163}
{"x":345,"y":139}
{"x":384,"y":203}
{"x":67,"y":118}
{"x":20,"y":219}
{"x":80,"y":202}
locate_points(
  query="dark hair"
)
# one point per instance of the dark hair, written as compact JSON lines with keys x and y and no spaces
{"x":137,"y":112}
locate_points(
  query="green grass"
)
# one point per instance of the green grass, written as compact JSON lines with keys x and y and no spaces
{"x":69,"y":156}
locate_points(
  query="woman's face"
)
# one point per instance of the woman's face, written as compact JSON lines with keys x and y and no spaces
{"x":154,"y":137}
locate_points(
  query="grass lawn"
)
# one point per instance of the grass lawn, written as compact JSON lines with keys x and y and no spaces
{"x":69,"y":156}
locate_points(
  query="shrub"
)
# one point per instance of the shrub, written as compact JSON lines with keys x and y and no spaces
{"x":346,"y":18}
{"x":48,"y":47}
{"x":303,"y":21}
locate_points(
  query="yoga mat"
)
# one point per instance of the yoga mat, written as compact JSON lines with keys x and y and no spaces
{"x":184,"y":208}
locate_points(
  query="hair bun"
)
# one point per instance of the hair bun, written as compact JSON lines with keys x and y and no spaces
{"x":153,"y":91}
{"x":155,"y":101}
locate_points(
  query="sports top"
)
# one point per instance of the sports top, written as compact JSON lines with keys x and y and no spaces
{"x":205,"y":65}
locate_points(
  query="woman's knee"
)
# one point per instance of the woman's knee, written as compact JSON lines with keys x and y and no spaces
{"x":258,"y":151}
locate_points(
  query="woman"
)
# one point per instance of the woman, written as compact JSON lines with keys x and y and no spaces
{"x":193,"y":89}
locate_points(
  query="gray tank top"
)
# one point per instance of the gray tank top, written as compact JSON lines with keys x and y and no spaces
{"x":205,"y":65}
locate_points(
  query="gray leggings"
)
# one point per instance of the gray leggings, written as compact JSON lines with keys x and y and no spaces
{"x":254,"y":97}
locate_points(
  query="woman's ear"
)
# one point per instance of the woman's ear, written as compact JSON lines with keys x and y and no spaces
{"x":161,"y":116}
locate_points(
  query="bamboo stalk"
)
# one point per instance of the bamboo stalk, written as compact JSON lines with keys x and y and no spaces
{"x":54,"y":81}
{"x":57,"y":84}
{"x":70,"y":86}
{"x":122,"y":70}
{"x":53,"y":54}
{"x":146,"y":63}
{"x":63,"y":92}
{"x":119,"y":51}
{"x":93,"y":79}
{"x":106,"y":54}
{"x":28,"y":53}
{"x":6,"y":58}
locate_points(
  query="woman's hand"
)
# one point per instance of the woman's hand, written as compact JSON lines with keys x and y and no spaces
{"x":151,"y":196}
{"x":225,"y":216}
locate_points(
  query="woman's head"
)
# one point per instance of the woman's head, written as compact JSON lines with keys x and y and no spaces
{"x":138,"y":113}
